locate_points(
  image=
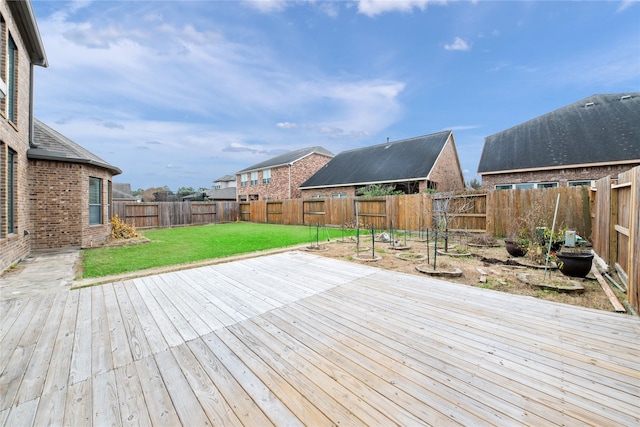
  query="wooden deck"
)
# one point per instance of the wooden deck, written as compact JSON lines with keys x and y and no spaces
{"x":298,"y":339}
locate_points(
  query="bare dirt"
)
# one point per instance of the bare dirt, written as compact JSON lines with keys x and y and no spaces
{"x":494,"y":261}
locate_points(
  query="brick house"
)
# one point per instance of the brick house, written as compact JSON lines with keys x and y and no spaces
{"x":21,"y":50}
{"x":280,"y":177}
{"x":70,"y":192}
{"x":45,"y":179}
{"x":411,"y":165}
{"x":575,"y":145}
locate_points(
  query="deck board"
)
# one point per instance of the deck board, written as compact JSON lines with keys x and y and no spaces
{"x":298,"y":339}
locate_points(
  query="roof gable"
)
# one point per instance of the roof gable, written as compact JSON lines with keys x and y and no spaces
{"x":288,"y":158}
{"x":597,"y":129}
{"x":408,"y":159}
{"x":52,"y":145}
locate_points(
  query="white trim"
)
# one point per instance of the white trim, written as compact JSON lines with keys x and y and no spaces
{"x":548,"y":168}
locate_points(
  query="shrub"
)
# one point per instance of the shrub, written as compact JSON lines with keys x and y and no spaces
{"x":122,"y":230}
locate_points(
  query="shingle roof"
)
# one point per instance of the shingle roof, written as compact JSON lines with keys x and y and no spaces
{"x":408,"y":159}
{"x":51,"y":145}
{"x":226,"y":178}
{"x":597,"y":129}
{"x":288,"y":158}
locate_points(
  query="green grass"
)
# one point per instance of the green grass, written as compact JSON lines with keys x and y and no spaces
{"x":189,"y":244}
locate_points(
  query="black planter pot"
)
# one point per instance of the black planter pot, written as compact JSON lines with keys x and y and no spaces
{"x":514,"y":249}
{"x":574,"y":264}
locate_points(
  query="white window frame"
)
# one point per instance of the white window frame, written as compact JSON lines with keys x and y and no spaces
{"x":339,"y":196}
{"x":244,"y":180}
{"x":266,"y":176}
{"x":254,"y":178}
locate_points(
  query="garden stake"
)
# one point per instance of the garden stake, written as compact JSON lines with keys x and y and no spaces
{"x":435,"y":250}
{"x":427,"y":234}
{"x":553,"y":227}
{"x":373,"y":244}
{"x":358,"y":239}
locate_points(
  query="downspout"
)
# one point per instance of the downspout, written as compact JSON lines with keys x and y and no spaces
{"x":32,"y":143}
{"x":289,"y":180}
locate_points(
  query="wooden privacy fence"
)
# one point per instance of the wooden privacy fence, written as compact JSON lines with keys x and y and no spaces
{"x":172,"y":214}
{"x":492,"y":212}
{"x":616,"y":228}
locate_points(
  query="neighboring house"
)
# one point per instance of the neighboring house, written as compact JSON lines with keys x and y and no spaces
{"x":53,"y":193}
{"x":122,"y":193}
{"x":574,"y":145}
{"x":280,"y":177}
{"x":224,"y":189}
{"x":411,"y":165}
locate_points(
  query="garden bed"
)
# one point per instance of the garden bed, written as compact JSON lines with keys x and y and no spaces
{"x":501,"y":271}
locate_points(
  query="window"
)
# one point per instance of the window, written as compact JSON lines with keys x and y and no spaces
{"x":339,"y":196}
{"x":525,"y":186}
{"x":504,"y":187}
{"x":254,"y":197}
{"x":547,"y":185}
{"x":254,"y":178}
{"x":109,"y":199}
{"x":266,"y":176}
{"x":243,"y":180}
{"x":11,"y":191}
{"x":95,"y":201}
{"x":580,"y":183}
{"x":317,"y":196}
{"x":12,"y":59}
{"x":3,"y":85}
{"x":217,"y":185}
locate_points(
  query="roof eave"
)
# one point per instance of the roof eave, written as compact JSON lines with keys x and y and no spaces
{"x":351,"y":184}
{"x":40,"y":154}
{"x":25,"y":19}
{"x":547,"y":168}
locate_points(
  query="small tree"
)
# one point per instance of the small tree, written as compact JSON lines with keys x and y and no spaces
{"x":446,"y":207}
{"x":377,"y":190}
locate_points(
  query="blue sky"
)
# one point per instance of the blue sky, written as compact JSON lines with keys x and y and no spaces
{"x":180,"y":93}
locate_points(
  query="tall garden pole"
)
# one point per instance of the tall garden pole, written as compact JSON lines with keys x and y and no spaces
{"x":553,"y":227}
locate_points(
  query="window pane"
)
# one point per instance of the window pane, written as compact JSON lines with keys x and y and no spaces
{"x":95,"y":201}
{"x":11,"y":81}
{"x":524,"y":186}
{"x":11,"y":176}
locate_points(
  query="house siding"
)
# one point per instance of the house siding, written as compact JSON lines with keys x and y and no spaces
{"x":283,"y":186}
{"x":15,"y":245}
{"x":561,"y":176}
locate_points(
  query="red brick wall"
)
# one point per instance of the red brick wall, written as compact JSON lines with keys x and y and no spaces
{"x":285,"y":180}
{"x":14,"y":245}
{"x":446,"y":172}
{"x":561,"y":176}
{"x":59,"y":201}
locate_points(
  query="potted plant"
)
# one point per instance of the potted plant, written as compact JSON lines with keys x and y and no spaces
{"x":518,"y":241}
{"x":574,"y":261}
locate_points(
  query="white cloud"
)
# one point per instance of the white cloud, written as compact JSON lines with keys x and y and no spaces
{"x":267,"y":6}
{"x":287,"y":125}
{"x":626,"y":4}
{"x":372,"y":8}
{"x":458,"y":44}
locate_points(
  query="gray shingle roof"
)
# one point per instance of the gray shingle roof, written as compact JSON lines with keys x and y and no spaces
{"x":597,"y":129}
{"x":52,"y":145}
{"x":288,"y":158}
{"x":225,"y":178}
{"x":409,"y":159}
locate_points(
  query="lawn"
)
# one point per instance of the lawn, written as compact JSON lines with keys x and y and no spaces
{"x":173,"y":246}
